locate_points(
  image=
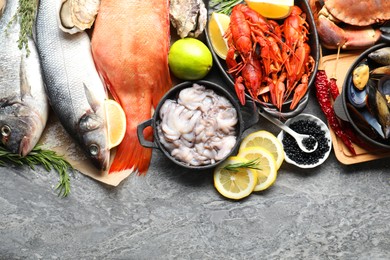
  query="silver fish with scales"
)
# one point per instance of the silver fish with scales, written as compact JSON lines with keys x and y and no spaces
{"x":23,"y":104}
{"x":74,"y":88}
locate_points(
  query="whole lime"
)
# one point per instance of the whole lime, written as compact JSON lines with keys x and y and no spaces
{"x":189,"y":59}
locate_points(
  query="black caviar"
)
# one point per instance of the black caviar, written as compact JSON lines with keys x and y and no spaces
{"x":292,"y":149}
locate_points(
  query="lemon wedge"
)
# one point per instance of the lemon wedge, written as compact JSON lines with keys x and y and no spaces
{"x":218,"y":24}
{"x":274,"y":9}
{"x":266,"y":176}
{"x":116,"y":122}
{"x":266,"y":140}
{"x":236,"y":184}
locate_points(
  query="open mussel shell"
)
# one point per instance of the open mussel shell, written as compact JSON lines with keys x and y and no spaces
{"x":380,"y":72}
{"x":366,"y":122}
{"x":384,"y":87}
{"x":356,"y":97}
{"x":378,"y":107}
{"x":361,"y":74}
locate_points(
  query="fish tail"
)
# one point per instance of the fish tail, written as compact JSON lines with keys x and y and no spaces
{"x":130,"y":155}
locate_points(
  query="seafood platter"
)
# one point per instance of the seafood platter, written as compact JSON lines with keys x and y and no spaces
{"x":296,"y":74}
{"x":58,"y":73}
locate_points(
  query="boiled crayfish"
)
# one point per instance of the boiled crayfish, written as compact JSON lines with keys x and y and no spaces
{"x":271,"y":61}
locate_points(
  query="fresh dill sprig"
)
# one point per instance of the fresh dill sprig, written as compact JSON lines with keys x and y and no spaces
{"x":252,"y":164}
{"x":25,"y":14}
{"x":46,"y":158}
{"x":224,"y":6}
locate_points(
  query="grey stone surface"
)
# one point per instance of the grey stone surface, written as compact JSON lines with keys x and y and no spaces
{"x":330,"y":212}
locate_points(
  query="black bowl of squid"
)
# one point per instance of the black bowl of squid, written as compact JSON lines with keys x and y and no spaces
{"x":198,"y":124}
{"x":283,"y":111}
{"x":365,"y":97}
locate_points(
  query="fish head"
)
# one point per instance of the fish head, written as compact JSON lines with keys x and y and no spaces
{"x":20,"y":127}
{"x":94,"y":139}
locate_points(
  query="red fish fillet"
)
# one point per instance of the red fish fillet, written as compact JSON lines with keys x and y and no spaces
{"x":130,"y":44}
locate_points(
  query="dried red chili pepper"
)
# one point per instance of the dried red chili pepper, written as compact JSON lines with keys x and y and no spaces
{"x":323,"y":96}
{"x":346,"y":126}
{"x":334,"y":90}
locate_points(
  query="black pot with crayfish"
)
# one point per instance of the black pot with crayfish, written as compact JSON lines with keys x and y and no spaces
{"x":284,"y":63}
{"x":365,"y":98}
{"x":198,"y":124}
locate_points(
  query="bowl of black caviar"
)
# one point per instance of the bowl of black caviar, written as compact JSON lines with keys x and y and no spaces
{"x":311,"y":125}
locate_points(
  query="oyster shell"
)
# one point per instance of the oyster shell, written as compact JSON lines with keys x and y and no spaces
{"x":78,"y":15}
{"x":189,"y":17}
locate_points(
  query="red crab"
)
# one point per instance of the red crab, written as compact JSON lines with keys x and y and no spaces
{"x":349,"y":24}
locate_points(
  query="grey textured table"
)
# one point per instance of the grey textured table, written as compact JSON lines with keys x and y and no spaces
{"x":330,"y":212}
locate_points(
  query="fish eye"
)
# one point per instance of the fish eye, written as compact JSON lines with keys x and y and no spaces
{"x":5,"y":130}
{"x":94,"y":149}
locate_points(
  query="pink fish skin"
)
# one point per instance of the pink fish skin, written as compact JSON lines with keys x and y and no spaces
{"x":130,"y":44}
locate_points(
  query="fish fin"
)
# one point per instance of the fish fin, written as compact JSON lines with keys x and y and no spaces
{"x":131,"y":155}
{"x":92,"y":100}
{"x":25,"y":88}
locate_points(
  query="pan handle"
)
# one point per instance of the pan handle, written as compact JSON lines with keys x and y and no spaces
{"x":249,"y":114}
{"x":141,"y":137}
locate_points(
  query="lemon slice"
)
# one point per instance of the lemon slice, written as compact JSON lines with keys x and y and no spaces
{"x":274,"y":9}
{"x":218,"y":24}
{"x":116,"y":122}
{"x":266,"y":176}
{"x":267,"y":141}
{"x":234,"y":184}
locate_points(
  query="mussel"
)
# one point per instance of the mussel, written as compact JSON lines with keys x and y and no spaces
{"x":78,"y":15}
{"x":378,"y":107}
{"x":361,"y":74}
{"x":379,"y":72}
{"x":356,"y":97}
{"x":381,"y":56}
{"x":384,"y":87}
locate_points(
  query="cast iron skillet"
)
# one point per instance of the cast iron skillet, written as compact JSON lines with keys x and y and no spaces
{"x":247,"y":117}
{"x":343,"y":109}
{"x":315,"y":53}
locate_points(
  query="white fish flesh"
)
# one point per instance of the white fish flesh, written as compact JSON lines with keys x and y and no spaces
{"x":75,"y":90}
{"x":23,"y":104}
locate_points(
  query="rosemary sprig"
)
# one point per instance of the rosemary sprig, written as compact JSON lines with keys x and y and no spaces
{"x":252,"y":164}
{"x":224,"y":6}
{"x":26,"y":14}
{"x":46,"y":158}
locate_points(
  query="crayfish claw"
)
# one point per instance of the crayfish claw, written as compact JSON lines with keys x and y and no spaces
{"x":240,"y":90}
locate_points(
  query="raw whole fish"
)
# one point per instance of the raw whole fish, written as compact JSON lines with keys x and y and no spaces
{"x":130,"y":44}
{"x":23,"y":104}
{"x":75,"y":90}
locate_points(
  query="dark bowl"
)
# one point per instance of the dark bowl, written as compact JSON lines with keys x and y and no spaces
{"x":247,"y":116}
{"x":315,"y":53}
{"x":353,"y":114}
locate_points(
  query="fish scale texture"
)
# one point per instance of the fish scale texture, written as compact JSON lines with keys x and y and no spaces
{"x":68,"y":68}
{"x":130,"y":44}
{"x":21,"y":82}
